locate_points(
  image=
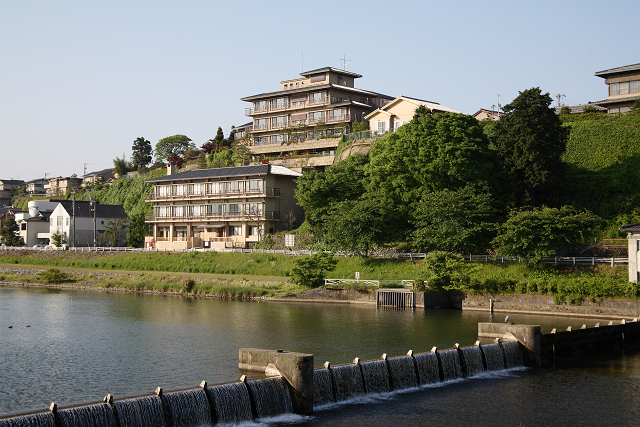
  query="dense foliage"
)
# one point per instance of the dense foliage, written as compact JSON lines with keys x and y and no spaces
{"x":172,"y":146}
{"x":9,"y":233}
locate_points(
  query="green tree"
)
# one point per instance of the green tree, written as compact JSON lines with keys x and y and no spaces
{"x":565,"y":111}
{"x":636,"y":104}
{"x":445,"y":271}
{"x":121,"y":166}
{"x":138,"y":229}
{"x":10,"y":233}
{"x":454,"y":221}
{"x":221,"y":158}
{"x":114,"y":233}
{"x":530,"y":139}
{"x":319,"y":192}
{"x":172,"y":146}
{"x":430,"y":153}
{"x":58,"y":239}
{"x":219,"y":140}
{"x":359,"y":126}
{"x":539,"y":233}
{"x":142,"y":153}
{"x":357,"y":226}
{"x":310,"y":270}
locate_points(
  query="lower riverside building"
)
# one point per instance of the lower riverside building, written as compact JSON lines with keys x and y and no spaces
{"x":233,"y":207}
{"x":88,"y":223}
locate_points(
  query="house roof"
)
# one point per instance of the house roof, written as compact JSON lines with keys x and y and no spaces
{"x":605,"y":73}
{"x":82,"y":210}
{"x":105,"y":173}
{"x":36,"y":180}
{"x":331,"y":69}
{"x":617,"y":100}
{"x":485,"y":110}
{"x":310,"y":89}
{"x":256,"y":170}
{"x":430,"y":105}
{"x":575,"y":109}
{"x":631,"y":227}
{"x":12,"y":181}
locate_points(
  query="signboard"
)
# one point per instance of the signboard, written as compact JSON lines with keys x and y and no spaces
{"x":289,"y":240}
{"x":357,"y":275}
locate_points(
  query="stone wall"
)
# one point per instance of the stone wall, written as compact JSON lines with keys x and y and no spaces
{"x":334,"y":295}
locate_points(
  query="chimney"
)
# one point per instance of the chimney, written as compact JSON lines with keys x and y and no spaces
{"x":171,"y":169}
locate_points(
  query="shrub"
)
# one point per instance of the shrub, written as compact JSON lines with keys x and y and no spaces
{"x":53,"y":275}
{"x":189,"y":285}
{"x":445,"y":270}
{"x":309,"y":270}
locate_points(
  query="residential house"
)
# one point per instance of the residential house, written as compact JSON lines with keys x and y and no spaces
{"x":623,"y":85}
{"x":86,"y":222}
{"x":577,"y":109}
{"x":300,"y":118}
{"x":7,"y":188}
{"x":34,"y":223}
{"x":484,"y":114}
{"x":400,"y":111}
{"x":60,"y":185}
{"x":6,"y":213}
{"x":36,"y":185}
{"x":221,"y":207}
{"x":105,"y":176}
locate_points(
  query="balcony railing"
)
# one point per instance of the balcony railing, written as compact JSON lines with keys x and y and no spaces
{"x":226,"y":216}
{"x":268,"y":191}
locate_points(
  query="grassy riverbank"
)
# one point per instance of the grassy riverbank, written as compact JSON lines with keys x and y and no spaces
{"x":214,"y":272}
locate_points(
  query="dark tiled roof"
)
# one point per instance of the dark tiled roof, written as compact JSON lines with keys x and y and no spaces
{"x":256,"y":170}
{"x":335,"y":70}
{"x":604,"y":73}
{"x":102,"y":211}
{"x":12,"y":181}
{"x":616,"y":100}
{"x":631,"y":227}
{"x":105,"y":173}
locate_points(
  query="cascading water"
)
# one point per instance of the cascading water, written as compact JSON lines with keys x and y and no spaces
{"x":143,"y":411}
{"x":99,"y":415}
{"x":512,"y":354}
{"x":450,"y":362}
{"x":403,"y":372}
{"x":348,"y":381}
{"x":428,"y":368}
{"x":271,"y":396}
{"x":494,"y":356}
{"x":322,"y":388}
{"x":472,"y":360}
{"x":44,"y":419}
{"x":376,"y":376}
{"x":187,"y":408}
{"x":231,"y":402}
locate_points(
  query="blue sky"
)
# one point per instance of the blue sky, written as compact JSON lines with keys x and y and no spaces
{"x":81,"y":80}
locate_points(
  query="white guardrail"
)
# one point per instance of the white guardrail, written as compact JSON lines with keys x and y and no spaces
{"x":397,"y":255}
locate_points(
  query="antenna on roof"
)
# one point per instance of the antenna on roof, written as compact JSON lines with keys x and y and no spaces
{"x":344,"y":62}
{"x":302,"y":71}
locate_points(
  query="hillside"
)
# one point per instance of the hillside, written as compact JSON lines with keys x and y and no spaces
{"x":603,"y":155}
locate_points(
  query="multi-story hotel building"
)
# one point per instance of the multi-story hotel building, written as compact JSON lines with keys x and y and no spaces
{"x":623,"y":85}
{"x":221,"y":207}
{"x":303,"y":115}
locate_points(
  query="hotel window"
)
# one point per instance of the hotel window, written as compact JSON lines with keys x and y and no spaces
{"x":614,"y":89}
{"x":178,"y":190}
{"x":252,"y":208}
{"x":215,"y":188}
{"x":337,"y":114}
{"x":261,"y":124}
{"x":235,"y":230}
{"x":279,"y":103}
{"x":277,"y":139}
{"x":278,"y":122}
{"x":162,"y":211}
{"x":316,"y":98}
{"x":233,"y":209}
{"x":318,"y":77}
{"x":298,"y":119}
{"x":255,"y":185}
{"x":163,"y":190}
{"x":177,"y":210}
{"x":624,"y":88}
{"x":233,"y":186}
{"x":260,"y":140}
{"x":634,"y":86}
{"x":261,"y":106}
{"x":214,"y":209}
{"x":317,"y":116}
{"x":198,"y":210}
{"x":298,"y":100}
{"x":253,"y":230}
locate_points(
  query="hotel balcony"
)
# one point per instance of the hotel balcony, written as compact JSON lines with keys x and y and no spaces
{"x":226,"y":216}
{"x":325,"y":100}
{"x":308,"y":122}
{"x":268,"y":192}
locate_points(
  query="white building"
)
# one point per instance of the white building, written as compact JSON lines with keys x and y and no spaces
{"x":77,"y":224}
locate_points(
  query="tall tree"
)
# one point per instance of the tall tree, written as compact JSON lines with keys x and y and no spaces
{"x":172,"y":146}
{"x":142,"y":153}
{"x":121,"y":166}
{"x":530,"y":139}
{"x":9,"y":233}
{"x":430,"y":153}
{"x":219,"y":140}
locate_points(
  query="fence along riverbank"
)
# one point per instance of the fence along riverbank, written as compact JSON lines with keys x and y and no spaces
{"x":247,"y":400}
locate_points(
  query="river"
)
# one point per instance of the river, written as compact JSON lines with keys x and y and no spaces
{"x":81,"y":345}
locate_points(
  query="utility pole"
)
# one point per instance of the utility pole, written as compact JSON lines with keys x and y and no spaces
{"x":73,"y":219}
{"x":559,"y":96}
{"x":92,"y":210}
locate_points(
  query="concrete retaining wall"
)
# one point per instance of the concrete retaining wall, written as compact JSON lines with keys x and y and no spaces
{"x":544,"y":304}
{"x":333,"y":295}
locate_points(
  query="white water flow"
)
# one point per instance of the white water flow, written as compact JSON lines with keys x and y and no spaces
{"x":472,"y":360}
{"x":44,"y":419}
{"x":494,"y":356}
{"x":512,"y":354}
{"x":231,"y":402}
{"x":403,"y":372}
{"x":428,"y":368}
{"x":271,"y":397}
{"x":99,"y":415}
{"x":450,"y":364}
{"x":322,"y":388}
{"x":348,"y":381}
{"x":376,"y":376}
{"x":139,"y":412}
{"x":187,"y":408}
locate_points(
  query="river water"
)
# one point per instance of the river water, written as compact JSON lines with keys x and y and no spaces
{"x":80,"y":346}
